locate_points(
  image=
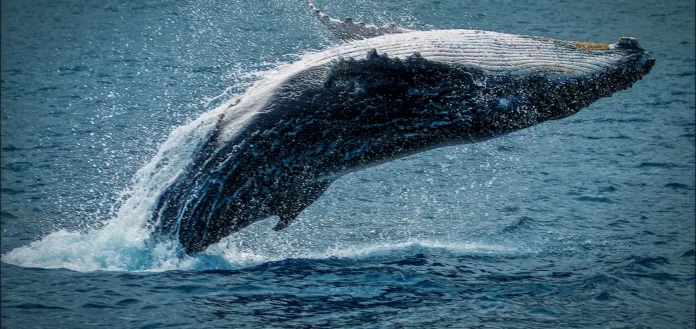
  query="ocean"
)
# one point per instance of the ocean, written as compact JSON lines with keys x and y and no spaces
{"x":584,"y":222}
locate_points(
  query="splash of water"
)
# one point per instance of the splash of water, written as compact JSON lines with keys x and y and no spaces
{"x":121,"y":243}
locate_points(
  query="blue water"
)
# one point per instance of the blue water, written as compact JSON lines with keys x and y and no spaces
{"x":583,"y":222}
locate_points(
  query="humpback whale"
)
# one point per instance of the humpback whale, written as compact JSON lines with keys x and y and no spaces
{"x":384,"y":93}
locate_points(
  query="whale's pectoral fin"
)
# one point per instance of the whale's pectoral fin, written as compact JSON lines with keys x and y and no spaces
{"x":283,"y":223}
{"x":348,"y":30}
{"x":298,"y":200}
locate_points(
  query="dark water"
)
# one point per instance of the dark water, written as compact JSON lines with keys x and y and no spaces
{"x":582,"y":222}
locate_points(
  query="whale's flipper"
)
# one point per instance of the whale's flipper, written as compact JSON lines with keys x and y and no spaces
{"x":348,"y":30}
{"x":283,"y":223}
{"x":301,"y":198}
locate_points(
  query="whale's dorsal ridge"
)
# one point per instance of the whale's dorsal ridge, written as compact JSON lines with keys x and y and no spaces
{"x":348,"y":29}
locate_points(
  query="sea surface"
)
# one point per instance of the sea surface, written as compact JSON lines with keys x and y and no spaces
{"x":585,"y":222}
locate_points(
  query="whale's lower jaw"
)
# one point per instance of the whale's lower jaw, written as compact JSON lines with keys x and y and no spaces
{"x":321,"y":121}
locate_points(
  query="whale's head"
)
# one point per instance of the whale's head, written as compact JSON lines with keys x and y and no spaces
{"x":601,"y":70}
{"x":615,"y":66}
{"x":539,"y":79}
{"x":641,"y":59}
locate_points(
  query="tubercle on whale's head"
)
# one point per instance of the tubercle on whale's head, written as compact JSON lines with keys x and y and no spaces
{"x":635,"y":64}
{"x":643,"y":60}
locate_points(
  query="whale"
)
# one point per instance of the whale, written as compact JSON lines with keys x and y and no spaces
{"x":380,"y":94}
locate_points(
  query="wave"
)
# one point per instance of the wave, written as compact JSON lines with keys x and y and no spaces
{"x":87,"y":252}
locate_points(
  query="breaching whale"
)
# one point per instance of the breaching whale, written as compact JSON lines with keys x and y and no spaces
{"x":387,"y":92}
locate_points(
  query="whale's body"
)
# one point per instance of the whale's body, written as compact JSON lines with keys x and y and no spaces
{"x":373,"y":100}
